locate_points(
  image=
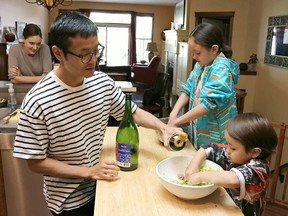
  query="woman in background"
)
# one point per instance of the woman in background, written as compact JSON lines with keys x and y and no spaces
{"x":29,"y":61}
{"x":209,"y":90}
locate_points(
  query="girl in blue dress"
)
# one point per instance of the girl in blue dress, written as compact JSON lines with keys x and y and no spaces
{"x":209,"y":90}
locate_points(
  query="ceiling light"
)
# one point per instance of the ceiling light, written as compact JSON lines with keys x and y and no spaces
{"x":49,"y":4}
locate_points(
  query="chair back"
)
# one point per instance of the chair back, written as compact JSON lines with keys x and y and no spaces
{"x":154,"y":99}
{"x":279,"y":171}
{"x":154,"y":62}
{"x":160,"y":86}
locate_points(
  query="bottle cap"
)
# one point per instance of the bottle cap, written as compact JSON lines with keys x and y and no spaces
{"x":11,"y":89}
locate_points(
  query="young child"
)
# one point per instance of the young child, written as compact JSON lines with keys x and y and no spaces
{"x":209,"y":90}
{"x":250,"y":141}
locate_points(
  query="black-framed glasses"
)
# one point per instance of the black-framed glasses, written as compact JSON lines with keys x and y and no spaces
{"x":87,"y":58}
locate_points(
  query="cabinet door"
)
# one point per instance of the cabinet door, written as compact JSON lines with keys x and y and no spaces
{"x":182,"y":65}
{"x":3,"y":62}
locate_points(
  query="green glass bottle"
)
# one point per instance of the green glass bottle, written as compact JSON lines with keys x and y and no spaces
{"x":127,"y":140}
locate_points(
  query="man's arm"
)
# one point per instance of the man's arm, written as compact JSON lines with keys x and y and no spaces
{"x":103,"y":170}
{"x":147,"y":120}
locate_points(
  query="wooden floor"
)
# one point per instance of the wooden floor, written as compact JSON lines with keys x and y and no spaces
{"x":273,"y":209}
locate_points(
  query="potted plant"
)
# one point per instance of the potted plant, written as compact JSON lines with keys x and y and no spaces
{"x":252,"y":62}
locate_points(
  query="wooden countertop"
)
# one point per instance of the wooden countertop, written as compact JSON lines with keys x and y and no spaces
{"x":145,"y":194}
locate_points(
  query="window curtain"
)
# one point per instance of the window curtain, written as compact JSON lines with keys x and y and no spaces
{"x":133,"y":39}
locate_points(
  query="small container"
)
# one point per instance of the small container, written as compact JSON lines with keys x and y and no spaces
{"x":11,"y":102}
{"x":175,"y":143}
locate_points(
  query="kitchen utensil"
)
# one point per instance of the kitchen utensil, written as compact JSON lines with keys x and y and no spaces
{"x":6,"y":119}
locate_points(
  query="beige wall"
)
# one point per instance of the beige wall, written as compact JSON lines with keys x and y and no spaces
{"x":19,"y":10}
{"x":163,"y":15}
{"x":271,"y":95}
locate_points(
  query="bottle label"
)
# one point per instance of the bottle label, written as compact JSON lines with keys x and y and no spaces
{"x":123,"y":154}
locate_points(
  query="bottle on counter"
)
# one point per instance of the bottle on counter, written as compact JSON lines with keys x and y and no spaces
{"x":127,"y":140}
{"x":178,"y":141}
{"x":11,"y":103}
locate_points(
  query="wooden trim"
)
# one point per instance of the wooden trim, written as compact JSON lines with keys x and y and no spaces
{"x":3,"y":206}
{"x":215,"y":14}
{"x":282,"y":127}
{"x":250,"y":73}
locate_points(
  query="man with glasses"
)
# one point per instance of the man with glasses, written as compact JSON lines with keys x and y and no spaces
{"x":64,"y":118}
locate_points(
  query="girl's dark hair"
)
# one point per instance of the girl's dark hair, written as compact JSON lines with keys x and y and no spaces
{"x":253,"y":130}
{"x":31,"y":30}
{"x":207,"y":35}
{"x":68,"y":25}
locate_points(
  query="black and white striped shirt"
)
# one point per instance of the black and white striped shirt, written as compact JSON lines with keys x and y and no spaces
{"x":67,"y":124}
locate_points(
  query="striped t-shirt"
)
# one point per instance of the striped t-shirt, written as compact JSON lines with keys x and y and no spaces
{"x":67,"y":124}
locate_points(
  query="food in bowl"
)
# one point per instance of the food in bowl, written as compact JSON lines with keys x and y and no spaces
{"x":204,"y":168}
{"x":168,"y":170}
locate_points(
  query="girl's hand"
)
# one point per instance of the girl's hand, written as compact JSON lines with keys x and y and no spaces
{"x":104,"y":170}
{"x":172,"y":120}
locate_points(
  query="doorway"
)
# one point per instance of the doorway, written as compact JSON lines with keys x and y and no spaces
{"x":224,"y":20}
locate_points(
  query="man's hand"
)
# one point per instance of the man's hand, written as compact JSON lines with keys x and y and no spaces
{"x":168,"y":132}
{"x":104,"y":170}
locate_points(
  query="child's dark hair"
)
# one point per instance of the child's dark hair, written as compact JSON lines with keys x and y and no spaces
{"x":68,"y":25}
{"x":31,"y":30}
{"x":208,"y":35}
{"x":253,"y":130}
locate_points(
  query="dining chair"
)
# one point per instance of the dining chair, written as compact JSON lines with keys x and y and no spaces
{"x":277,"y":199}
{"x":154,"y":100}
{"x":240,"y":99}
{"x":146,"y":74}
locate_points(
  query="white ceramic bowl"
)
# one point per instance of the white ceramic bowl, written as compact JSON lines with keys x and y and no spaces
{"x":168,"y":171}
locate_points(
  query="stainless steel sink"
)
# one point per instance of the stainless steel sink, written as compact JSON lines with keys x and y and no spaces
{"x":7,"y":133}
{"x":4,"y":112}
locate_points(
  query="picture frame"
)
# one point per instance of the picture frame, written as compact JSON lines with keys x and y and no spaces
{"x":0,"y":31}
{"x":19,"y":29}
{"x":272,"y":56}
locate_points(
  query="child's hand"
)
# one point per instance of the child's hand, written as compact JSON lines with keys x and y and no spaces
{"x":194,"y":179}
{"x":191,"y":170}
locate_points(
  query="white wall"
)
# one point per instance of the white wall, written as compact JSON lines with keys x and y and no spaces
{"x":19,"y":10}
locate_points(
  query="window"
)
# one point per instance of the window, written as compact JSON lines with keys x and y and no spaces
{"x":144,"y":30}
{"x":114,"y":35}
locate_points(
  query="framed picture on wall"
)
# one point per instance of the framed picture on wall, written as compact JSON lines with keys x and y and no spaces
{"x":19,"y":30}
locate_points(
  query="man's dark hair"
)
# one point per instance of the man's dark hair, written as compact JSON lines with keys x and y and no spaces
{"x":69,"y":25}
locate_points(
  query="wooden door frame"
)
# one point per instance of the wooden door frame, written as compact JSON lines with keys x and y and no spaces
{"x":221,"y":15}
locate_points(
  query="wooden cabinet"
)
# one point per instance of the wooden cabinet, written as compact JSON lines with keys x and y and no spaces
{"x":3,"y":62}
{"x":173,"y":37}
{"x":184,"y":66}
